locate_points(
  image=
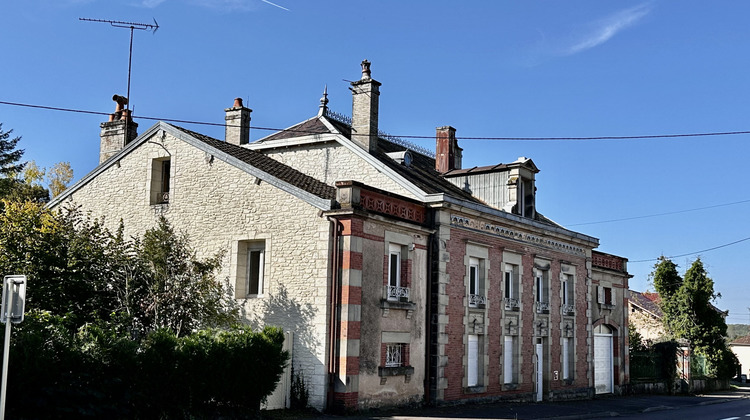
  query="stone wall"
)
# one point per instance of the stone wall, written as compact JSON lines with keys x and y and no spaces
{"x":217,"y":205}
{"x":332,"y":162}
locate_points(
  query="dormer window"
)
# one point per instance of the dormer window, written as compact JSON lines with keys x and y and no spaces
{"x":404,"y":157}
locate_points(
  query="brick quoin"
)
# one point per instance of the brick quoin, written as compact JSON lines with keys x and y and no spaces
{"x":351,"y":295}
{"x":346,"y":400}
{"x":352,"y":227}
{"x":351,"y":260}
{"x":350,"y":364}
{"x":351,"y":329}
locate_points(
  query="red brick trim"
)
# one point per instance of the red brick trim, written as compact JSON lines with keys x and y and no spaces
{"x":347,"y":400}
{"x":351,"y":295}
{"x":350,"y":365}
{"x":351,"y":329}
{"x":351,"y":260}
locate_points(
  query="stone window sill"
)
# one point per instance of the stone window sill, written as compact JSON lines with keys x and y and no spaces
{"x":387,"y":305}
{"x":510,"y":387}
{"x":478,"y":389}
{"x":395,"y":371}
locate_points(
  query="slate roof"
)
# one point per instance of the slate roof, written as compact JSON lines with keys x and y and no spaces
{"x":421,"y":173}
{"x":268,"y":165}
{"x":646,"y":301}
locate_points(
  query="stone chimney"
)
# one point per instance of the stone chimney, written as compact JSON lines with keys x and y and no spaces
{"x":447,"y":153}
{"x":365,"y":100}
{"x":237,"y":128}
{"x":118,"y":131}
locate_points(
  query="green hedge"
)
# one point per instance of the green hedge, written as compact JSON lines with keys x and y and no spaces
{"x":102,"y":373}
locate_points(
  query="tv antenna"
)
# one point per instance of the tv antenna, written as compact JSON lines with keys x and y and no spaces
{"x":132,"y":26}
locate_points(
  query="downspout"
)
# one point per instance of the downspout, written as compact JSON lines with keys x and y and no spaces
{"x":430,"y":381}
{"x":334,"y":303}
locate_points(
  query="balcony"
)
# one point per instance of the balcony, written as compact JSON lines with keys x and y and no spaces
{"x":568,"y":309}
{"x":511,"y":304}
{"x":477,"y":301}
{"x":397,"y":293}
{"x":542,"y":307}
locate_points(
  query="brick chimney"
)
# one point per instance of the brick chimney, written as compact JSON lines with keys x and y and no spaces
{"x":365,"y":100}
{"x":118,"y":131}
{"x":237,"y":128}
{"x":447,"y":153}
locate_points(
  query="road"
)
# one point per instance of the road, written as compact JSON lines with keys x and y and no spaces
{"x":733,"y":410}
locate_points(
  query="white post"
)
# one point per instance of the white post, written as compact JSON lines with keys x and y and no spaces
{"x":6,"y":351}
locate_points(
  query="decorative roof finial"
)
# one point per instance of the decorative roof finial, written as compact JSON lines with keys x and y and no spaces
{"x":324,"y":101}
{"x":366,"y":70}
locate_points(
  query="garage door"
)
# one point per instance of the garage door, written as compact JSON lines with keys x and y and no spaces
{"x":603,"y":363}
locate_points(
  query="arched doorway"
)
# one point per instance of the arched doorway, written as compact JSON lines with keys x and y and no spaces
{"x":603,"y":360}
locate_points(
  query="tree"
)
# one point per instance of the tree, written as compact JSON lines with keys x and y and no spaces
{"x":179,"y":291}
{"x":690,"y":314}
{"x":9,"y":156}
{"x":59,"y":176}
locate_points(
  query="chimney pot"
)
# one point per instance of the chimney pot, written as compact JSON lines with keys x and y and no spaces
{"x":366,"y":70}
{"x":237,"y":102}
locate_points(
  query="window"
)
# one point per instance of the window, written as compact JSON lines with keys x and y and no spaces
{"x":394,"y":355}
{"x":511,"y":287}
{"x":160,"y":180}
{"x":477,"y":299}
{"x":542,"y":291}
{"x":510,"y":354}
{"x":568,"y":350}
{"x":568,"y":300}
{"x":525,"y":198}
{"x":604,"y":296}
{"x":251,"y":261}
{"x":396,"y":287}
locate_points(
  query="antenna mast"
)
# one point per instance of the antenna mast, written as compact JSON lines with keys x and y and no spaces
{"x":132,"y":26}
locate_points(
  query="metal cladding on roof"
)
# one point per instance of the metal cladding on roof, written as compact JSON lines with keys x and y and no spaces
{"x":272,"y":167}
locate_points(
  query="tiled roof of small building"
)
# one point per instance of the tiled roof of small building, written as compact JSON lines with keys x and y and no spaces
{"x":272,"y":167}
{"x":742,"y":341}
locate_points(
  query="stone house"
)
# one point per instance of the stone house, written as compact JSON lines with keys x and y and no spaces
{"x":402,"y":276}
{"x":646,"y":315}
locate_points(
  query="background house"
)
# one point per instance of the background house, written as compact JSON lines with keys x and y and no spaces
{"x":402,"y":275}
{"x":741,"y":349}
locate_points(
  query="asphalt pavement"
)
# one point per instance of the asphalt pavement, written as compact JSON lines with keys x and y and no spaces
{"x":599,"y":407}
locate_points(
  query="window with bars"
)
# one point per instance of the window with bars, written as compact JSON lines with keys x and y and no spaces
{"x":394,"y":355}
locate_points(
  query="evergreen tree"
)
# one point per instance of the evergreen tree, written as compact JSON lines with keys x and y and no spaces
{"x":690,"y":314}
{"x":9,"y":156}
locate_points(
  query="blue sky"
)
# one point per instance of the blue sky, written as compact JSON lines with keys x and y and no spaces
{"x":490,"y":69}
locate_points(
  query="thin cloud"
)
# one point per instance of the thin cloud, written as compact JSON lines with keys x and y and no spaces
{"x":607,"y":28}
{"x":151,"y":3}
{"x":274,"y":4}
{"x":227,"y":5}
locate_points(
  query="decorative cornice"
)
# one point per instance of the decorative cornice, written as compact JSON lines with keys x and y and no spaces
{"x":505,"y":232}
{"x":380,"y":203}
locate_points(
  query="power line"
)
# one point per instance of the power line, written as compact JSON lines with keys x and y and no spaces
{"x":659,"y":214}
{"x":694,"y":253}
{"x":431,"y":137}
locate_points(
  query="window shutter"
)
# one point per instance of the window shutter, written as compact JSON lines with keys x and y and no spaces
{"x":600,"y":294}
{"x":508,"y":360}
{"x":473,"y":362}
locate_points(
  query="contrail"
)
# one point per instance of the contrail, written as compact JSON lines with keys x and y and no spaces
{"x":274,"y":4}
